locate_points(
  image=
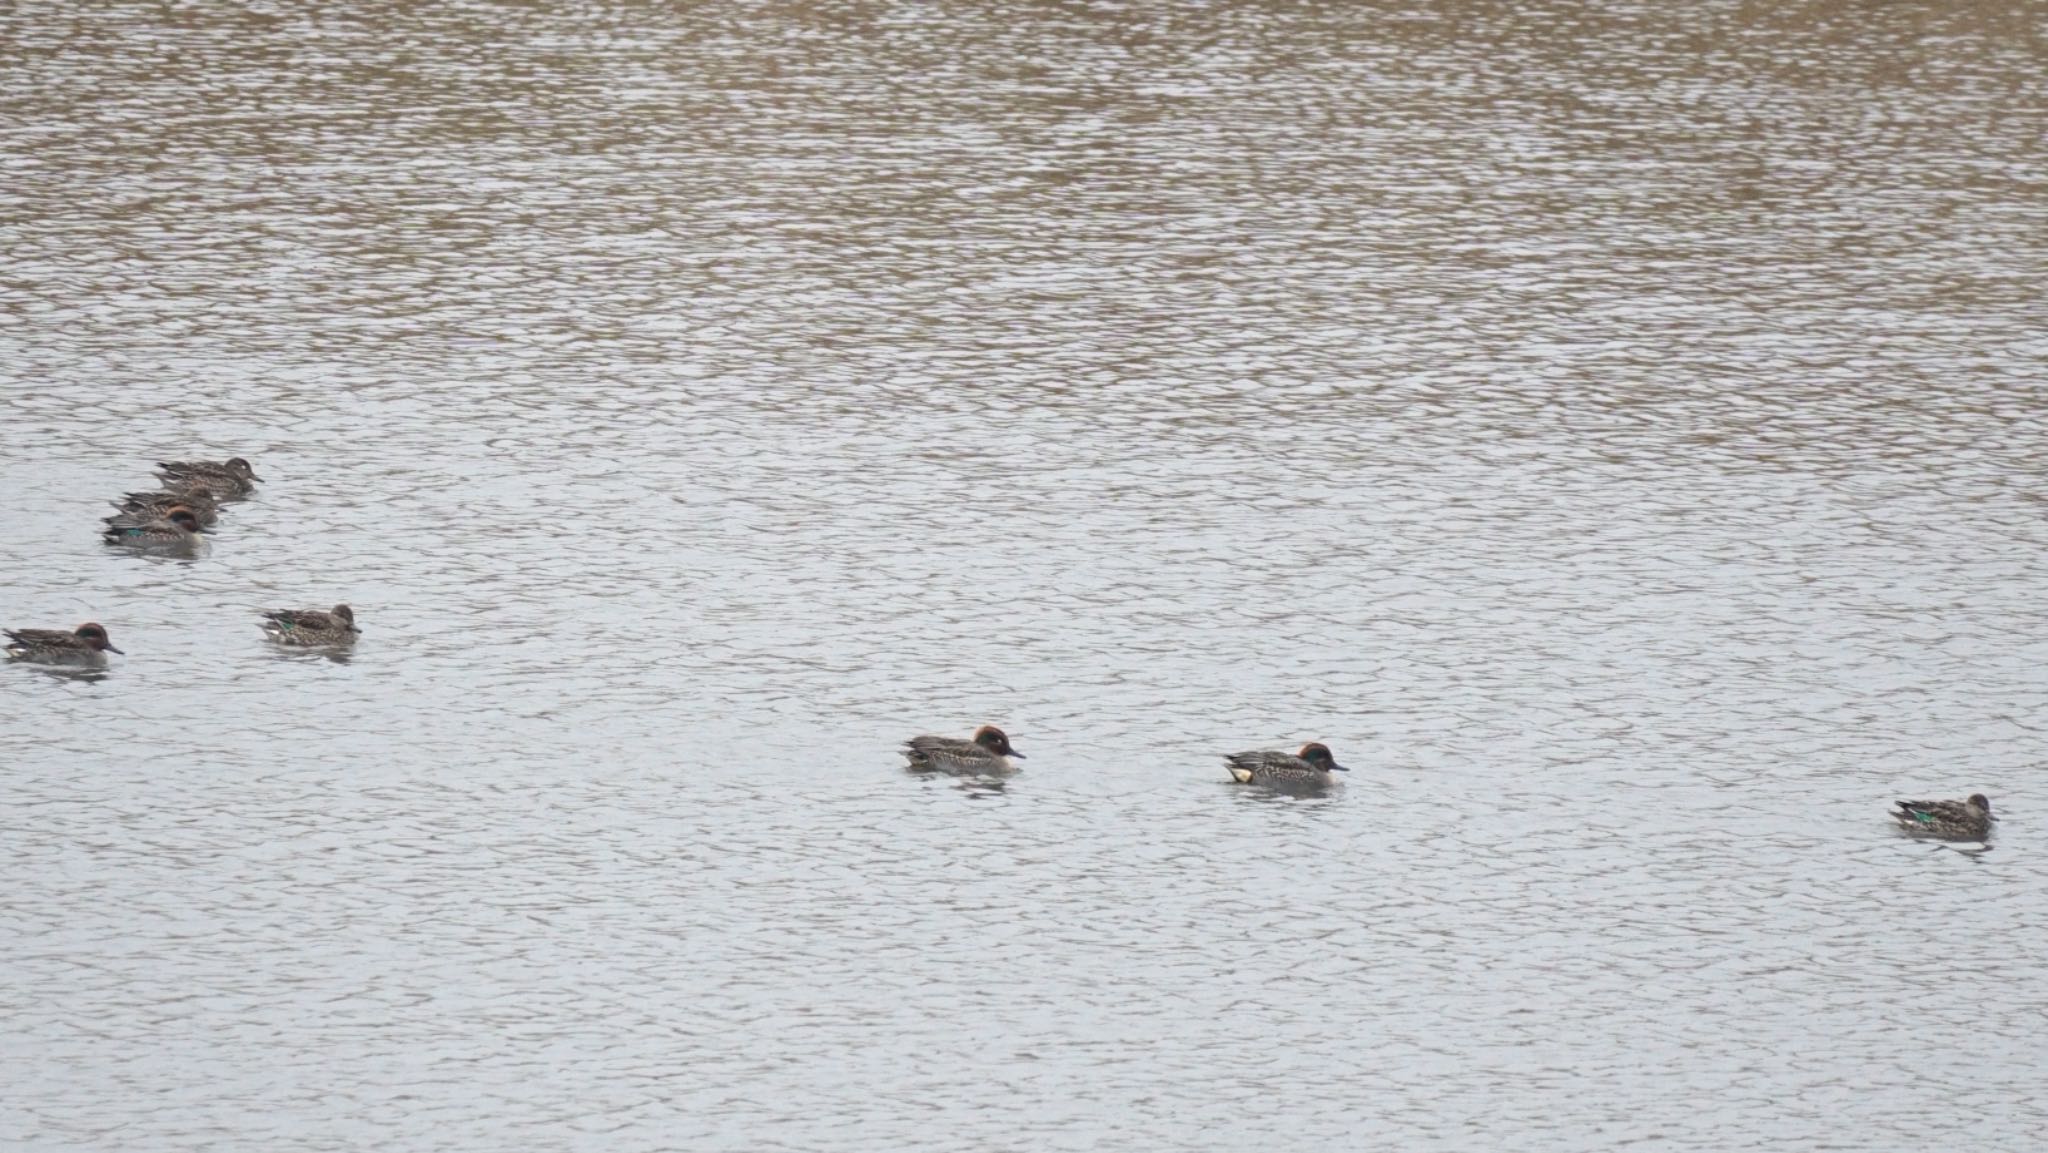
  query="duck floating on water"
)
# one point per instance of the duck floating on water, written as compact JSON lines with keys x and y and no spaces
{"x":233,"y":477}
{"x":988,"y":751}
{"x":85,"y":645}
{"x":1967,"y":820}
{"x":1311,"y":766}
{"x":311,"y":627}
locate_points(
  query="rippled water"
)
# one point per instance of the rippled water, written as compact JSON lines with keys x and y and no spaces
{"x":1619,"y":431}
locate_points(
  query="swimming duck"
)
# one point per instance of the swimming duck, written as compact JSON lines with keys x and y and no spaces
{"x":988,"y":752}
{"x":232,"y":477}
{"x":177,"y":528}
{"x":308,"y":627}
{"x":1311,"y":766}
{"x":137,"y":508}
{"x":1947,"y":820}
{"x":87,"y":644}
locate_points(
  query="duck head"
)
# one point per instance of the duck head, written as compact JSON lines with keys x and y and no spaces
{"x":95,"y":637}
{"x":183,"y":517}
{"x":991,"y":738}
{"x":240,"y":467}
{"x":1980,"y":801}
{"x":1318,"y":754}
{"x":347,"y":616}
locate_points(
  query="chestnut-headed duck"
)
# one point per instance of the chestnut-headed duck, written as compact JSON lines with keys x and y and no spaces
{"x":87,"y":645}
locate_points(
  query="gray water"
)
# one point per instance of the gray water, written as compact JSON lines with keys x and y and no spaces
{"x":1618,"y":430}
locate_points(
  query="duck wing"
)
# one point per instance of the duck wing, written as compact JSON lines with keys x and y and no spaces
{"x":200,"y":501}
{"x":153,"y":530}
{"x":302,"y":619}
{"x":42,"y":638}
{"x":927,"y":750}
{"x":1269,"y":761}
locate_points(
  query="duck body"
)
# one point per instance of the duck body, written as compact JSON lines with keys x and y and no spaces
{"x":139,"y":508}
{"x":85,"y":645}
{"x":311,"y":627}
{"x":232,"y":478}
{"x":1311,"y":767}
{"x":177,"y":529}
{"x":988,"y":751}
{"x":1968,"y":820}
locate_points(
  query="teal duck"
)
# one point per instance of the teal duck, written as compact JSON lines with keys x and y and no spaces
{"x":176,"y":529}
{"x":139,"y":508}
{"x":988,"y":751}
{"x":1311,"y":766}
{"x":311,"y":627}
{"x":85,"y":645}
{"x":1968,"y":820}
{"x":233,"y":477}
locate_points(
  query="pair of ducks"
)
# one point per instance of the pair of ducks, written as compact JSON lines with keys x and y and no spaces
{"x":88,"y":644}
{"x":189,"y":502}
{"x":989,"y":751}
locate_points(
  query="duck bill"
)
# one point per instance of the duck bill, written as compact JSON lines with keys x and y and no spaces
{"x":112,"y":649}
{"x":1337,"y":768}
{"x":1015,"y":755}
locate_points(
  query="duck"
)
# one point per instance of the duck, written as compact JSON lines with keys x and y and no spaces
{"x":1311,"y":766}
{"x":138,"y":508}
{"x":1968,"y":820}
{"x":177,"y":528}
{"x":233,"y":477}
{"x":988,"y":751}
{"x":309,"y":627}
{"x":87,"y":644}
